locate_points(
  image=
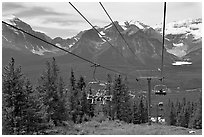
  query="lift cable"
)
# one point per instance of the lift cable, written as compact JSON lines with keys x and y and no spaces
{"x":162,"y":61}
{"x":91,"y":62}
{"x":95,"y":28}
{"x":117,"y":29}
{"x":100,"y":33}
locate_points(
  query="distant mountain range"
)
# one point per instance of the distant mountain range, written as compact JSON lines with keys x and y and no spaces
{"x":143,"y":40}
{"x":181,"y":38}
{"x":183,"y":41}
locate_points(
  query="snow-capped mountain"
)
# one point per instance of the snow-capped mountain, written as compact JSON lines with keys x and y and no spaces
{"x":145,"y":44}
{"x":144,"y":41}
{"x":17,"y":40}
{"x":183,"y":36}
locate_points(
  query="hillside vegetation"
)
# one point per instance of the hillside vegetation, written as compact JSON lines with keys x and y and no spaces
{"x":77,"y":107}
{"x":122,"y":128}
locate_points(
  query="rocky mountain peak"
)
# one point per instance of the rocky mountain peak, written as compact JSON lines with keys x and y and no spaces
{"x":143,"y":40}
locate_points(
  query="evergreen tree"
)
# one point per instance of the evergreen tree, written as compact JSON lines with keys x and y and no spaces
{"x":142,"y":111}
{"x":108,"y":106}
{"x":72,"y":95}
{"x":186,"y":118}
{"x":168,"y":111}
{"x":12,"y":87}
{"x":146,"y":112}
{"x":136,"y":115}
{"x":196,"y":119}
{"x":172,"y":115}
{"x":185,"y":114}
{"x":191,"y":111}
{"x":184,"y":102}
{"x":62,"y":108}
{"x":126,"y":105}
{"x":19,"y":115}
{"x":75,"y":105}
{"x":116,"y":96}
{"x":30,"y":116}
{"x":60,"y":88}
{"x":90,"y":106}
{"x":83,"y":98}
{"x":121,"y":100}
{"x":50,"y":89}
{"x":180,"y":116}
{"x":178,"y":109}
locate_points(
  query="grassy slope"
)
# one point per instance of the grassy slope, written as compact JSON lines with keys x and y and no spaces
{"x":121,"y":128}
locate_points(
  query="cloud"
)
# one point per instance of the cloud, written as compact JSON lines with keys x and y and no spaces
{"x":184,"y":7}
{"x":24,"y":10}
{"x":53,"y":32}
{"x":70,"y":21}
{"x":62,"y":21}
{"x":39,"y":11}
{"x":11,"y":6}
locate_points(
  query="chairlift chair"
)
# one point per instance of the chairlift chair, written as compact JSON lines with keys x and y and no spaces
{"x":99,"y":98}
{"x":161,"y":109}
{"x":160,"y":115}
{"x":89,"y":96}
{"x":99,"y":84}
{"x":100,"y":93}
{"x":160,"y":89}
{"x":160,"y":104}
{"x":108,"y":97}
{"x":131,"y":95}
{"x":103,"y":101}
{"x":91,"y":99}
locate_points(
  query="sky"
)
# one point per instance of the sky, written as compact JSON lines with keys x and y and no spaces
{"x":60,"y":19}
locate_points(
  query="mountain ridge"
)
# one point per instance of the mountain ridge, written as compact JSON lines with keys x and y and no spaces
{"x":143,"y":40}
{"x":183,"y":36}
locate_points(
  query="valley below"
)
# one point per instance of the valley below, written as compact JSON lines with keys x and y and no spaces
{"x":122,"y":78}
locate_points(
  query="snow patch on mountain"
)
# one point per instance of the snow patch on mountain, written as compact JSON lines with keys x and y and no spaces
{"x":138,"y":24}
{"x":38,"y":52}
{"x":76,"y":38}
{"x":102,"y":33}
{"x":103,"y":37}
{"x":9,"y":19}
{"x":196,"y":30}
{"x":122,"y":24}
{"x":36,"y":30}
{"x":178,"y":53}
{"x":69,"y":46}
{"x":107,"y":27}
{"x":179,"y":63}
{"x":26,"y":47}
{"x":178,"y":44}
{"x":42,"y":50}
{"x":126,"y":25}
{"x":188,"y":26}
{"x":5,"y":38}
